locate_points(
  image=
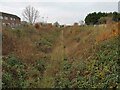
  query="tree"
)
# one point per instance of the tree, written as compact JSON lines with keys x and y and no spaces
{"x":116,"y":16}
{"x":30,"y":14}
{"x":97,"y":18}
{"x":102,"y":20}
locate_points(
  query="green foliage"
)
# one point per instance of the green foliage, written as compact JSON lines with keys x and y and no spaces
{"x":93,"y":18}
{"x":102,"y":72}
{"x":46,"y":43}
{"x":98,"y":73}
{"x":41,"y":64}
{"x":58,"y":70}
{"x":13,"y":72}
{"x":17,"y":74}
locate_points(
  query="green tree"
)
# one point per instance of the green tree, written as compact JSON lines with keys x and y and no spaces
{"x":96,"y":18}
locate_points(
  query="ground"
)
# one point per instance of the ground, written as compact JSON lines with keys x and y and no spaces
{"x":51,"y":57}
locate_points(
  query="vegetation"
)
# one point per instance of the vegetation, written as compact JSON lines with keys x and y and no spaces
{"x":94,"y":18}
{"x":69,"y":57}
{"x":30,"y":14}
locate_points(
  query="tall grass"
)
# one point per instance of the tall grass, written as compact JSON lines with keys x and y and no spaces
{"x":70,"y":57}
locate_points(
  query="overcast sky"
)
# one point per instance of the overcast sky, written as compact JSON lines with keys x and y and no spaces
{"x":63,"y":11}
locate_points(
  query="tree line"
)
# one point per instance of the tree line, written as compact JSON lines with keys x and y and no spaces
{"x":102,"y":18}
{"x":30,"y":14}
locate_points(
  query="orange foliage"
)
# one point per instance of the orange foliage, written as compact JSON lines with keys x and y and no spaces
{"x":8,"y":42}
{"x":111,"y":31}
{"x":21,"y":47}
{"x":24,"y":50}
{"x":115,"y":29}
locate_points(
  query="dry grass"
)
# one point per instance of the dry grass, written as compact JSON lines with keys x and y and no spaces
{"x":24,"y":42}
{"x":78,"y":40}
{"x":69,"y":48}
{"x":75,"y":40}
{"x":111,"y":31}
{"x":8,"y":42}
{"x":22,"y":47}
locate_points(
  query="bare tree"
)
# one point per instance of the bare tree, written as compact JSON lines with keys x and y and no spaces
{"x":30,"y":14}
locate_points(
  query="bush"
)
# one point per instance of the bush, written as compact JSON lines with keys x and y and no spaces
{"x":98,"y":73}
{"x":13,"y":72}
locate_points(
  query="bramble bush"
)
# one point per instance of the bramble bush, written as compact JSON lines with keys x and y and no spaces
{"x":56,"y":68}
{"x":99,"y":73}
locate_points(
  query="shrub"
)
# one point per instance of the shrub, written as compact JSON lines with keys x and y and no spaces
{"x":13,"y":72}
{"x":37,"y":26}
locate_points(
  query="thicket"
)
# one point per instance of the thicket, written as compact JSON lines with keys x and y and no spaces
{"x":100,"y":72}
{"x":93,"y":18}
{"x":35,"y":67}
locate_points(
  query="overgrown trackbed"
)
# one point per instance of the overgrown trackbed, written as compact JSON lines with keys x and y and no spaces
{"x":57,"y":56}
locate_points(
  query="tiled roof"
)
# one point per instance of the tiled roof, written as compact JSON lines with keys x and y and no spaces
{"x":7,"y":14}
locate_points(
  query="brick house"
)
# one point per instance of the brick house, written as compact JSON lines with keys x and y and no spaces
{"x":9,"y":19}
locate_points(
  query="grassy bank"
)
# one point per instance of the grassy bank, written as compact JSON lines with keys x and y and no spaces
{"x":73,"y":57}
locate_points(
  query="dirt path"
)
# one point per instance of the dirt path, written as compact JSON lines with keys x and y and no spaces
{"x":57,"y":56}
{"x":58,"y":52}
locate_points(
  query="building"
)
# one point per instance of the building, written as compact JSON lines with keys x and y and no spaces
{"x":76,"y":24}
{"x":56,"y":24}
{"x":9,"y":19}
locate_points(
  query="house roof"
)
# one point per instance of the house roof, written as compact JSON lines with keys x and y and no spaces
{"x":7,"y":14}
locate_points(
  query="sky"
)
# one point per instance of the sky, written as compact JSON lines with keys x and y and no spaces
{"x":63,"y":11}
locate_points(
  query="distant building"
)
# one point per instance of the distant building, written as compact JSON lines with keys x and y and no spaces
{"x":56,"y":24}
{"x":76,"y":24}
{"x":9,"y":19}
